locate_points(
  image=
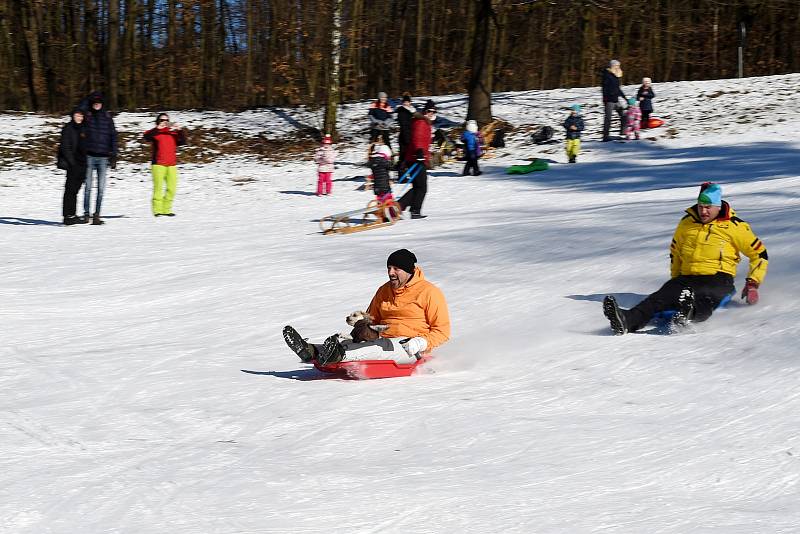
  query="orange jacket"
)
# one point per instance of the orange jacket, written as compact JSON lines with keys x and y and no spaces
{"x":416,"y":309}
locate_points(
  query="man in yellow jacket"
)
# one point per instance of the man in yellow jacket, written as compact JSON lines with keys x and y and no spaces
{"x":704,"y":253}
{"x":411,"y":309}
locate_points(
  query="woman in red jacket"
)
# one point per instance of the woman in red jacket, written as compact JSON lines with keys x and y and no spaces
{"x":421,"y":128}
{"x":165,"y":138}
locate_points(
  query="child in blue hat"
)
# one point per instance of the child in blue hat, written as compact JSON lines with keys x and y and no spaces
{"x":574,"y":126}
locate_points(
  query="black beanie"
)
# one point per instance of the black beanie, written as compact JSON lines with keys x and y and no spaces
{"x":402,"y":259}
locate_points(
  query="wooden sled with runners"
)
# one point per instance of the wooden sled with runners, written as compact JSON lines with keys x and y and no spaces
{"x":375,"y":215}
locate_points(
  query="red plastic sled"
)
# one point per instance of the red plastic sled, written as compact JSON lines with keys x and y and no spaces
{"x":367,"y":369}
{"x":654,"y":122}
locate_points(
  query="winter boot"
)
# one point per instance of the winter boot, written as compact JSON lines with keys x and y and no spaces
{"x":418,"y":216}
{"x":298,"y":345}
{"x":572,"y":159}
{"x":97,"y":220}
{"x":685,"y":311}
{"x":615,"y":316}
{"x":332,"y":351}
{"x":72,"y":219}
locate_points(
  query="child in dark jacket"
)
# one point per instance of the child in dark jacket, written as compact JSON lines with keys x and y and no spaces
{"x":645,"y":96}
{"x":473,"y":140}
{"x":574,"y":126}
{"x":380,"y":163}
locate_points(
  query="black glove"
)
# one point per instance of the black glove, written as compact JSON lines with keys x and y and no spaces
{"x":112,"y":161}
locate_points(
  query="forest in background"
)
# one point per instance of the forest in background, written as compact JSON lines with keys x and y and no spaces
{"x":235,"y":54}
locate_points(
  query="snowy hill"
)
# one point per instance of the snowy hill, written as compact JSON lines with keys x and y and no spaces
{"x":146,"y":387}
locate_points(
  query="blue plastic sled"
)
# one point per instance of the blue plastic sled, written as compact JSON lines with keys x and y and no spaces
{"x":666,"y":315}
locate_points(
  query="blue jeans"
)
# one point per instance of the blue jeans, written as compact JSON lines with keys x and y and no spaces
{"x":92,"y":163}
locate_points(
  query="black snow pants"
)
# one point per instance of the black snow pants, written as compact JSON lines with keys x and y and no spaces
{"x":416,"y":195}
{"x":76,"y":175}
{"x":709,"y":290}
{"x":471,"y":164}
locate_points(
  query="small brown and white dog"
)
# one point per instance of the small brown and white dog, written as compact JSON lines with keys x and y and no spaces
{"x":363,"y":329}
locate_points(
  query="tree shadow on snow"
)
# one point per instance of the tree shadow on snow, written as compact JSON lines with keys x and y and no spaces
{"x":671,"y":167}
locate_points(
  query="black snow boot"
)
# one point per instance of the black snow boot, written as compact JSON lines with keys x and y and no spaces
{"x":298,"y":345}
{"x":615,"y":316}
{"x":685,"y":311}
{"x":332,"y":351}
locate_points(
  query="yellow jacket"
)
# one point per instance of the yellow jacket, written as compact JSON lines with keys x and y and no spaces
{"x":416,"y":309}
{"x":716,"y":246}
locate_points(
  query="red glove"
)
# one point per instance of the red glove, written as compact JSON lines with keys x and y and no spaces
{"x":750,"y":291}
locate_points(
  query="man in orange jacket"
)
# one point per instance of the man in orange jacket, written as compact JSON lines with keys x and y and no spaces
{"x":412,"y":310}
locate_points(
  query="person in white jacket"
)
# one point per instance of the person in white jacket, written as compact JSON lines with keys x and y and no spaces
{"x":325,"y":158}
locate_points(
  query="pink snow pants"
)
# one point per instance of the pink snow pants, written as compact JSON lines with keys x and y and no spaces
{"x":324,"y":183}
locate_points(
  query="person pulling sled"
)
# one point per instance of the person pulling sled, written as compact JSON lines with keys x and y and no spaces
{"x":704,"y":253}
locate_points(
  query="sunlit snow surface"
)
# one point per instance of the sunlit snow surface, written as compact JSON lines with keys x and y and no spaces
{"x":145,"y":386}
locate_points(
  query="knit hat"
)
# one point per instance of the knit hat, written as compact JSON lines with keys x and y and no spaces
{"x":406,"y":97}
{"x":710,"y":194}
{"x":402,"y":259}
{"x":429,"y":106}
{"x":472,"y":126}
{"x":382,"y":95}
{"x":632,"y":101}
{"x":576,"y":108}
{"x":327,"y":140}
{"x":96,"y":98}
{"x":614,"y":63}
{"x":382,"y":150}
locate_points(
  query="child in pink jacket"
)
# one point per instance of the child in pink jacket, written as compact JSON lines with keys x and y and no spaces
{"x":324,"y":158}
{"x":633,"y":119}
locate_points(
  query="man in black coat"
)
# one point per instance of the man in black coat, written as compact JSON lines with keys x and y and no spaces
{"x":611,"y":94}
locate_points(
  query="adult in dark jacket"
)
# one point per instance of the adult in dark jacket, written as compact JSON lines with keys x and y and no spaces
{"x":611,"y":95}
{"x":645,"y":96}
{"x":380,"y":119}
{"x":414,"y":198}
{"x":101,"y":153}
{"x":405,"y":114}
{"x":421,"y":131}
{"x":72,"y":158}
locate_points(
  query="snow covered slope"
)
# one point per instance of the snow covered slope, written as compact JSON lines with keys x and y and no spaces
{"x":145,"y":387}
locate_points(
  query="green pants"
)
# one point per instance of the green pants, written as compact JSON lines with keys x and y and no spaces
{"x":164,"y":176}
{"x":573,"y":147}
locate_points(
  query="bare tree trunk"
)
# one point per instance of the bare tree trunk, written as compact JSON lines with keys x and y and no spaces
{"x":112,"y":52}
{"x":172,"y":54}
{"x":31,"y":17}
{"x":418,"y":79}
{"x":480,"y":93}
{"x":329,"y":125}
